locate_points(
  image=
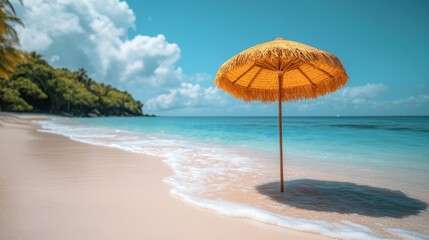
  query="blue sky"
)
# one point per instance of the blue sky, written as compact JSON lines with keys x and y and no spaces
{"x":166,"y":53}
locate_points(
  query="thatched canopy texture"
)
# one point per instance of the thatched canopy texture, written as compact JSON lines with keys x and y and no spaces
{"x":252,"y":75}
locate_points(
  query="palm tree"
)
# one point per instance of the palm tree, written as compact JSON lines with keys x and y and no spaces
{"x":82,"y":76}
{"x":9,"y":55}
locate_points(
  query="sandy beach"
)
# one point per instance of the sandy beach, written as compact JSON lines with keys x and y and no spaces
{"x":54,"y":188}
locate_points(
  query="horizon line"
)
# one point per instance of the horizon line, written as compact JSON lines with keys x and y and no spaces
{"x":297,"y":116}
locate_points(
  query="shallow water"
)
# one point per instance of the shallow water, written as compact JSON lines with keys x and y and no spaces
{"x":349,"y":178}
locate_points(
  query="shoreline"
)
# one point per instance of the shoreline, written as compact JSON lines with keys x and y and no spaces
{"x":55,"y":188}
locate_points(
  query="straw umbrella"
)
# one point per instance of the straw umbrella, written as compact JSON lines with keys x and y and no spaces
{"x":281,"y":70}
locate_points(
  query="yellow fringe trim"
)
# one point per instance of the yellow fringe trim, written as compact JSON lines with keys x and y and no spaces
{"x":288,"y":94}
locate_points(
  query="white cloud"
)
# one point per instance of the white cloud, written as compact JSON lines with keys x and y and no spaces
{"x":413,"y":100}
{"x":360,"y":92}
{"x":346,"y":98}
{"x":93,"y":34}
{"x":188,"y":95}
{"x":33,"y":40}
{"x":54,"y":58}
{"x":365,"y":99}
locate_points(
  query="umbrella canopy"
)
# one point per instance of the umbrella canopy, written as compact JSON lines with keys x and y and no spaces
{"x":281,"y":70}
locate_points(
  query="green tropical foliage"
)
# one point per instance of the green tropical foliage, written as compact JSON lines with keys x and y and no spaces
{"x":37,"y":86}
{"x":9,"y":55}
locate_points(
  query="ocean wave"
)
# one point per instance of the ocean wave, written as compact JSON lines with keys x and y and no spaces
{"x":381,"y":127}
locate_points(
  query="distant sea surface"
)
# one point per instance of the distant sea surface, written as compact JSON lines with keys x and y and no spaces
{"x":346,"y":177}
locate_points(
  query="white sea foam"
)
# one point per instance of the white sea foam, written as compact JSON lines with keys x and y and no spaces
{"x":197,"y":167}
{"x":335,"y":230}
{"x":404,"y":234}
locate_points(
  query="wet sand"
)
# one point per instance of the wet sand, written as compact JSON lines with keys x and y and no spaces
{"x":54,"y":188}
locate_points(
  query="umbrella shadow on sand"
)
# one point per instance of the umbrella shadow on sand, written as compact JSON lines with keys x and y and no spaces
{"x":343,"y":197}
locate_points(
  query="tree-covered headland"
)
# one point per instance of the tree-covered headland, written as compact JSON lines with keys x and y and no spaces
{"x":36,"y":86}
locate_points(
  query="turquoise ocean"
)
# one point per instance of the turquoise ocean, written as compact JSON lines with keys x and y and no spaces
{"x":346,"y":177}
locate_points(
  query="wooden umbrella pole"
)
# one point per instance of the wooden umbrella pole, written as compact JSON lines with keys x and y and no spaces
{"x":280,"y":74}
